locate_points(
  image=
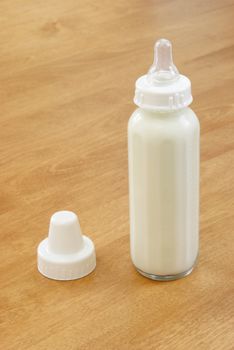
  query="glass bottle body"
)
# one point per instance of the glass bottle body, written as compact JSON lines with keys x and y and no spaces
{"x":163,"y":157}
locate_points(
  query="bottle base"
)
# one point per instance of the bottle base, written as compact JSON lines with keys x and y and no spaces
{"x":167,"y":277}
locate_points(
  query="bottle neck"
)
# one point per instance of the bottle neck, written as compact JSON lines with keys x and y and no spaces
{"x":163,"y":114}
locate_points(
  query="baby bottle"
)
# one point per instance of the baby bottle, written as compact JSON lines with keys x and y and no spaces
{"x":163,"y":153}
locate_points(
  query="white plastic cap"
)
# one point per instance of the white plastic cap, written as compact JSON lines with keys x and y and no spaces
{"x":66,"y":254}
{"x":163,"y":88}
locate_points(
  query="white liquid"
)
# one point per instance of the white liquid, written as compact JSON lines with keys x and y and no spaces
{"x":164,"y":190}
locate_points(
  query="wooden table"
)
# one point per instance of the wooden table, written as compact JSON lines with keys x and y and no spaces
{"x":67,"y":74}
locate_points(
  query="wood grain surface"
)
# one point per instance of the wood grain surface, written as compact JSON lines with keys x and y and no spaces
{"x":67,"y":74}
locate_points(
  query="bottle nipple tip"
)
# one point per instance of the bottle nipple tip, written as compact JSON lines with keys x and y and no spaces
{"x":163,"y":70}
{"x":163,"y":42}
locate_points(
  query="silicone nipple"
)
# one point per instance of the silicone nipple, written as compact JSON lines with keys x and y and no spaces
{"x":162,"y":70}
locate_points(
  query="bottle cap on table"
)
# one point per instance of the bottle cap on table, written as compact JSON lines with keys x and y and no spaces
{"x":163,"y":88}
{"x":66,"y":254}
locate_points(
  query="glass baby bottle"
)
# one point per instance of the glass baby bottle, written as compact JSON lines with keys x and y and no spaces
{"x":163,"y":153}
